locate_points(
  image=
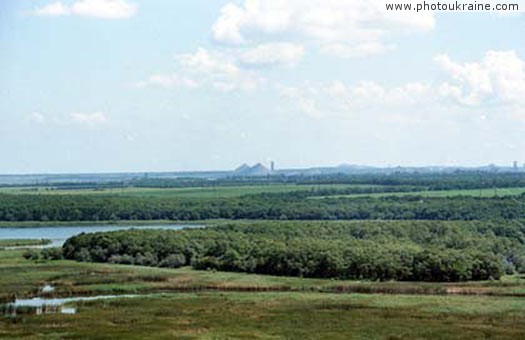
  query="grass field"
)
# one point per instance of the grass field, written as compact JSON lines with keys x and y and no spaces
{"x":493,"y":192}
{"x":218,"y":305}
{"x":23,"y":242}
{"x":236,"y":191}
{"x":280,"y":316}
{"x":192,"y":192}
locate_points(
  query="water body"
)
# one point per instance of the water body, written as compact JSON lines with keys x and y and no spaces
{"x":58,"y":235}
{"x":52,"y":306}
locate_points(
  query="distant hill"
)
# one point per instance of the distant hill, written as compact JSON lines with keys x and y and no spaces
{"x":242,"y":168}
{"x":256,"y":170}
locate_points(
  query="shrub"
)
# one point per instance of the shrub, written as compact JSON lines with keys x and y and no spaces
{"x":31,"y":254}
{"x":122,"y":259}
{"x":173,"y":261}
{"x":52,"y":253}
{"x":146,"y":259}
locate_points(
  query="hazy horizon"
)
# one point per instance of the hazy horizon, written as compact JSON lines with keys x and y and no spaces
{"x":138,"y":86}
{"x":378,"y":166}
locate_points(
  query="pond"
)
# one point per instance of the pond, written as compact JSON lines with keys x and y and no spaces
{"x":58,"y":235}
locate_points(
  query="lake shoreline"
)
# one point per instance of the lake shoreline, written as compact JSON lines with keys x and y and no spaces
{"x":138,"y":223}
{"x":58,"y":235}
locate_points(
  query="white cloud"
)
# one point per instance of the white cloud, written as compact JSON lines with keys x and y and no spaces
{"x":338,"y":99}
{"x":168,"y":81}
{"x":219,"y":70}
{"x":272,"y":53}
{"x":226,"y":28}
{"x":64,"y":120}
{"x":52,"y":9}
{"x":90,"y":119}
{"x":498,"y":78}
{"x":106,"y":9}
{"x":204,"y":61}
{"x":207,"y":69}
{"x":356,"y":27}
{"x":305,"y":98}
{"x":497,"y":82}
{"x":103,"y":9}
{"x":358,"y":50}
{"x":37,"y":117}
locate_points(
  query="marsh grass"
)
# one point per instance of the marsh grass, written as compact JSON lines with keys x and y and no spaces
{"x":24,"y":278}
{"x":280,"y":315}
{"x":219,"y":305}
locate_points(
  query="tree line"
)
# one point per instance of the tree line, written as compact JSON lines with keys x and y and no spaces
{"x":460,"y":179}
{"x":280,"y":206}
{"x":373,"y":250}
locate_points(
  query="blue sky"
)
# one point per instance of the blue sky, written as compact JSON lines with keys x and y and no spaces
{"x":117,"y":85}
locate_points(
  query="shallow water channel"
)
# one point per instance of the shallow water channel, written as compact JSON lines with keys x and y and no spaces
{"x":39,"y":305}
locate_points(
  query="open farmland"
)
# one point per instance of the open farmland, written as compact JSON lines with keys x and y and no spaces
{"x":483,"y":192}
{"x":185,"y":192}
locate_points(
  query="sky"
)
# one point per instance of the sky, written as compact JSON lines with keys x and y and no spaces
{"x":163,"y":85}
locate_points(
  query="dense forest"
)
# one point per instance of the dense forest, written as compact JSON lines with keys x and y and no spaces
{"x":283,"y":206}
{"x":399,"y":250}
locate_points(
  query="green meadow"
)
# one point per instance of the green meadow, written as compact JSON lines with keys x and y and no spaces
{"x":189,"y":192}
{"x":491,"y":192}
{"x":189,"y":304}
{"x":24,"y":277}
{"x":279,"y":316}
{"x":23,"y":242}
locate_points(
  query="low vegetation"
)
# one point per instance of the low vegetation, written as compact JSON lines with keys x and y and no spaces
{"x":23,"y":242}
{"x":23,"y":277}
{"x":213,"y":304}
{"x":279,"y":315}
